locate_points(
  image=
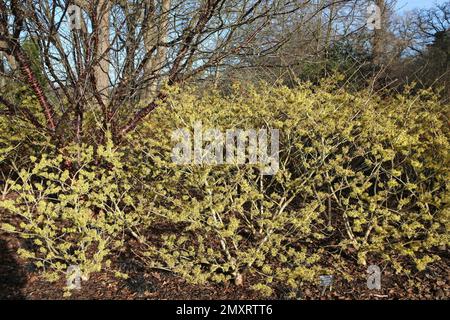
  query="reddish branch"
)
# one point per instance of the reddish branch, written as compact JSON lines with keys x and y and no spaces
{"x":141,"y":114}
{"x":13,"y":48}
{"x":30,"y":77}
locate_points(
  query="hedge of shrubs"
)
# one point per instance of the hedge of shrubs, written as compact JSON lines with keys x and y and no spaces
{"x":358,"y":173}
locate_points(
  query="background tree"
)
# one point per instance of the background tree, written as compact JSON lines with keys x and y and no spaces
{"x":109,"y":74}
{"x":111,"y":70}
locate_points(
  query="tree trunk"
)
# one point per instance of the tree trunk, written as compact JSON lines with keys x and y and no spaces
{"x":2,"y":71}
{"x":101,"y":69}
{"x":379,"y":37}
{"x":157,"y":32}
{"x":150,"y":38}
{"x":163,"y":34}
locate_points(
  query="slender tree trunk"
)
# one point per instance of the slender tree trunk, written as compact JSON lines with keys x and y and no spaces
{"x":150,"y":38}
{"x":329,"y":33}
{"x":2,"y":71}
{"x":319,"y":32}
{"x":101,"y":69}
{"x":161,"y":57}
{"x":379,"y":37}
{"x":157,"y":33}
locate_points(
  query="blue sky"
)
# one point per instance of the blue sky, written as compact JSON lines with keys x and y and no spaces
{"x":406,"y":5}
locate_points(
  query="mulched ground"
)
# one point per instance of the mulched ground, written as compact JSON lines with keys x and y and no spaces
{"x":19,"y":280}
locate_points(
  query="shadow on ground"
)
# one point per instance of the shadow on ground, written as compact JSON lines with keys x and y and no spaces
{"x":12,"y":276}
